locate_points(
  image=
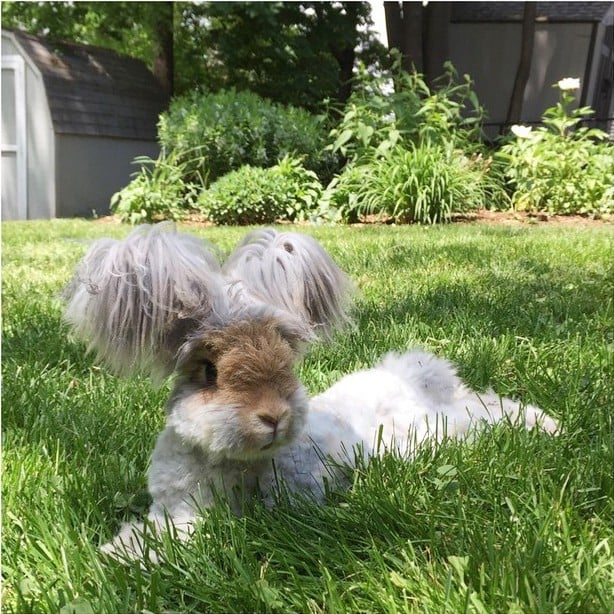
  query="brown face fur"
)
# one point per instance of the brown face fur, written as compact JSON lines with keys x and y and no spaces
{"x":249,"y":366}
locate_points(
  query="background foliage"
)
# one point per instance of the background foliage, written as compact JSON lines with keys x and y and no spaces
{"x":562,"y":166}
{"x":377,"y":117}
{"x":293,"y":53}
{"x":252,"y":195}
{"x":415,"y":154}
{"x":160,"y":190}
{"x":261,"y":81}
{"x":425,"y":184}
{"x":214,"y":133}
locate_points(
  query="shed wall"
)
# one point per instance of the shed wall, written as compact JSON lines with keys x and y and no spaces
{"x":39,"y":147}
{"x":89,"y":170}
{"x":40,"y":139}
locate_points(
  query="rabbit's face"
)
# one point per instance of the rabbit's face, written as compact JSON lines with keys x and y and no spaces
{"x":237,"y":396}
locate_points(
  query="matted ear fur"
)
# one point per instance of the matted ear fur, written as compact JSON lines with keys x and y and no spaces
{"x":137,"y":302}
{"x":134,"y":300}
{"x":294,"y":273}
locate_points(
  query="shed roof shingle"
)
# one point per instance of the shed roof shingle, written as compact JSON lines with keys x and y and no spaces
{"x":96,"y":91}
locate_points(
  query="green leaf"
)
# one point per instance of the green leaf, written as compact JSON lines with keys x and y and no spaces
{"x":342,"y":139}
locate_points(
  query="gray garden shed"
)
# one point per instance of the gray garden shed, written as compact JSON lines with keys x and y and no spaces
{"x":73,"y":119}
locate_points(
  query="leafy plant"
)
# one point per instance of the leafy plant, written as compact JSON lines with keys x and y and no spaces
{"x":377,"y":119}
{"x":158,"y":191}
{"x":562,"y":166}
{"x":414,"y":154}
{"x":252,"y":195}
{"x":217,"y":133}
{"x":425,"y":184}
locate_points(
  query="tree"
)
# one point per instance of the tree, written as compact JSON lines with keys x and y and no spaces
{"x":420,"y":33}
{"x":139,"y":29}
{"x":523,"y":70}
{"x":436,"y":39}
{"x":338,"y":25}
{"x":404,"y":30}
{"x":299,"y":53}
{"x":162,"y":19}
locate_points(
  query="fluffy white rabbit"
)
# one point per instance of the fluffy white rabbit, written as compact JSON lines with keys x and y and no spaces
{"x":239,"y":422}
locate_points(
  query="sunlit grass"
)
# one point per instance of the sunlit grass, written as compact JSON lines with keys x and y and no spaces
{"x":514,"y":522}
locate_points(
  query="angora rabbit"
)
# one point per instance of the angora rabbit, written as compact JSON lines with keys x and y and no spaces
{"x":238,"y":420}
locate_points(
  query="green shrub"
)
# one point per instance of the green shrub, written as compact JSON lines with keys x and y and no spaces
{"x":414,"y":154}
{"x":561,"y":167}
{"x":377,"y":119}
{"x":425,"y":184}
{"x":215,"y":133}
{"x":157,"y":192}
{"x":252,"y":195}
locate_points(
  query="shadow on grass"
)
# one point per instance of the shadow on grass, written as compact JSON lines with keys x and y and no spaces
{"x":548,"y":303}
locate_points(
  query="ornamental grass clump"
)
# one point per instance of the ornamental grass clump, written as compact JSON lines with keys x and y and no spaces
{"x":425,"y":184}
{"x":562,"y":167}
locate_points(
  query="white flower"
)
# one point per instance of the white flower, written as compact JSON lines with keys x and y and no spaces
{"x":522,"y":132}
{"x":568,"y":83}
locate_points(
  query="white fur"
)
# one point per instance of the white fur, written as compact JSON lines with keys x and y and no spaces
{"x":404,"y":399}
{"x":127,"y":296}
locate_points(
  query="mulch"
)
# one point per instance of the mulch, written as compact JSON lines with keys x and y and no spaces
{"x":483,"y":216}
{"x":526,"y":217}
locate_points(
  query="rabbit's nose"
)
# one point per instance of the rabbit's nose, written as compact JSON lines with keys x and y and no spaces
{"x":270,"y":420}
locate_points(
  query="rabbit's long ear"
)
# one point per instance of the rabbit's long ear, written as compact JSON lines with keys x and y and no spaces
{"x":292,"y":272}
{"x":132,"y":301}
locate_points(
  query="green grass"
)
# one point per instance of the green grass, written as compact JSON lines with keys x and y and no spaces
{"x":515,"y":522}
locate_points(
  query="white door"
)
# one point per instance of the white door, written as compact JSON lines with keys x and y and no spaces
{"x":13,"y":139}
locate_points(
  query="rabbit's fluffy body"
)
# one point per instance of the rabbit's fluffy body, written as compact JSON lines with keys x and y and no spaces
{"x":401,"y":401}
{"x":239,"y":421}
{"x":392,"y":405}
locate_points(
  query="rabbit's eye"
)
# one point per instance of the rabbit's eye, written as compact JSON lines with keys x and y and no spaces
{"x":209,"y":373}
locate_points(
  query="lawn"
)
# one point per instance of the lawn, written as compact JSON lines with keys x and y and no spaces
{"x":513,"y":522}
